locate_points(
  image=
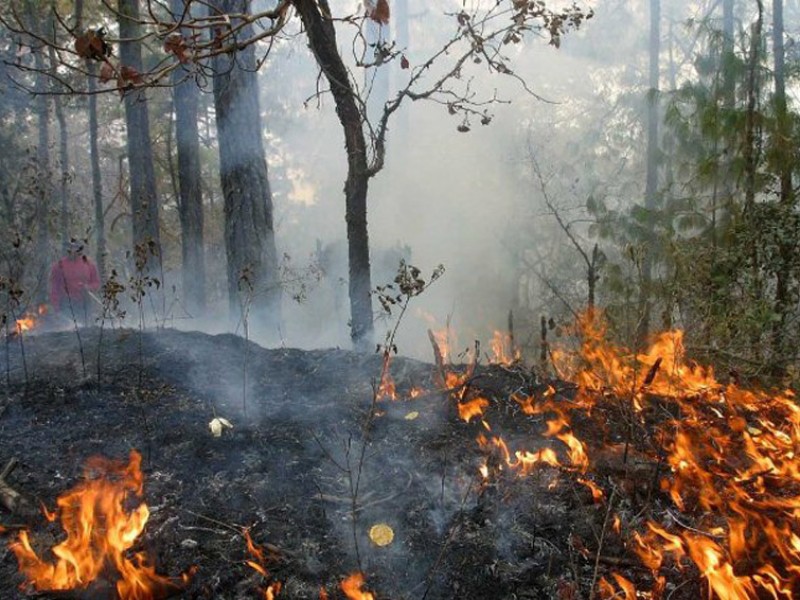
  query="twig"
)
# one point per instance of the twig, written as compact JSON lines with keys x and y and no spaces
{"x":596,"y":571}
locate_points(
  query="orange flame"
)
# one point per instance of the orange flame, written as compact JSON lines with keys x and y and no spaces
{"x":472,"y":409}
{"x":387,"y":388}
{"x":30,"y":320}
{"x":352,"y":588}
{"x":732,"y":455}
{"x":257,"y":563}
{"x":503,"y":351}
{"x":100,"y":532}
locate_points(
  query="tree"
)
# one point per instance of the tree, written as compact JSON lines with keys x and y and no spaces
{"x":479,"y":38}
{"x":143,"y":193}
{"x":651,"y":180}
{"x":190,"y":201}
{"x":249,"y":235}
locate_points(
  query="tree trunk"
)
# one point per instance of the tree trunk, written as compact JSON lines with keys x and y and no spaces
{"x":97,"y":182}
{"x":749,"y":150}
{"x":322,"y":40}
{"x":144,"y":197}
{"x":43,"y":181}
{"x":190,"y":200}
{"x":783,"y":151}
{"x":253,"y":281}
{"x":63,"y":154}
{"x":651,"y":181}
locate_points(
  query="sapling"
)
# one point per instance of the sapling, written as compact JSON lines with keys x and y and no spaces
{"x":407,"y":285}
{"x":111,"y":290}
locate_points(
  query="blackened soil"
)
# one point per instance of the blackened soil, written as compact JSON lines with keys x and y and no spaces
{"x":304,"y":467}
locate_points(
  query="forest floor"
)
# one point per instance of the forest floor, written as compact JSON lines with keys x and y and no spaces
{"x":287,"y":467}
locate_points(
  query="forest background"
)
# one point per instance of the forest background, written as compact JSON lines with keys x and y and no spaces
{"x":628,"y":156}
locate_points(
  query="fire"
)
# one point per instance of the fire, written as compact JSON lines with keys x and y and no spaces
{"x":29,"y":320}
{"x":100,"y":532}
{"x":258,"y":564}
{"x":387,"y":389}
{"x":734,"y":469}
{"x":472,"y":409}
{"x":503,"y":350}
{"x":352,"y":588}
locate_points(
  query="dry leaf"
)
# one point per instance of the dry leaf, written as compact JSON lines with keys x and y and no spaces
{"x":218,"y":424}
{"x":404,"y":62}
{"x":106,"y":72}
{"x":380,"y":14}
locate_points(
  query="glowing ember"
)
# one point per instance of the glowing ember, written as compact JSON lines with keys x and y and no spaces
{"x":352,"y":588}
{"x":100,"y":532}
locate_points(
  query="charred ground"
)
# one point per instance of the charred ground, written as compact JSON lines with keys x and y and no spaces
{"x":283,"y":468}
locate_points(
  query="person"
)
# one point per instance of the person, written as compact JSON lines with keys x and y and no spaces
{"x":72,"y":279}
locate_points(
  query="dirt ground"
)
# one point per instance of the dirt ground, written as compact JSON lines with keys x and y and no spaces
{"x":301,"y":438}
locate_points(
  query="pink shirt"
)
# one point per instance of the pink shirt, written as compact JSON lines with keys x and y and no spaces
{"x":69,"y":277}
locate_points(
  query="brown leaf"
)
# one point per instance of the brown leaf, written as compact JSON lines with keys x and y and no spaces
{"x":106,"y":72}
{"x":83,"y":47}
{"x":380,"y":13}
{"x":404,"y":62}
{"x":92,"y":45}
{"x":130,"y":75}
{"x":176,"y":44}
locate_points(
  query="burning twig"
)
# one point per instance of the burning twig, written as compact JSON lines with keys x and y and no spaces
{"x":441,"y":372}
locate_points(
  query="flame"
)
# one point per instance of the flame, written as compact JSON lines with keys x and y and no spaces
{"x":732,"y":455}
{"x":472,"y":409}
{"x":100,"y":532}
{"x":30,"y":320}
{"x":257,"y":563}
{"x":352,"y":588}
{"x":387,"y":388}
{"x":503,"y":350}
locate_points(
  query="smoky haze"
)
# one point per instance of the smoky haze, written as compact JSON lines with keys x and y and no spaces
{"x":464,"y":200}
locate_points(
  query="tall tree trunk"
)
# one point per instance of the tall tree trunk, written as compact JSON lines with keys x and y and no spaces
{"x":651,"y":181}
{"x":783,"y":129}
{"x":144,"y":197}
{"x":190,"y":202}
{"x":44,"y":182}
{"x":97,"y":182}
{"x":253,"y":281}
{"x":749,"y":151}
{"x":63,"y":159}
{"x":322,"y":40}
{"x":788,"y":239}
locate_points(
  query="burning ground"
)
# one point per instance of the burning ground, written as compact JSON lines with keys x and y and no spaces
{"x":475,"y":482}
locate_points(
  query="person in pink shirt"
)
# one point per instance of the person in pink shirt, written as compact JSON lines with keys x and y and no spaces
{"x":71,"y":280}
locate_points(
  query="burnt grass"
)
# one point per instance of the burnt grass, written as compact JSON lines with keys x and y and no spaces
{"x":286,"y":467}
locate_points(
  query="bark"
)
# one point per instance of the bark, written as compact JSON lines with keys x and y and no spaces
{"x":190,"y":199}
{"x":322,"y":40}
{"x":651,"y":181}
{"x":783,"y":148}
{"x":143,"y":194}
{"x":97,"y":182}
{"x":43,"y":181}
{"x":783,"y":130}
{"x":749,"y":150}
{"x":63,"y":159}
{"x":253,"y":281}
